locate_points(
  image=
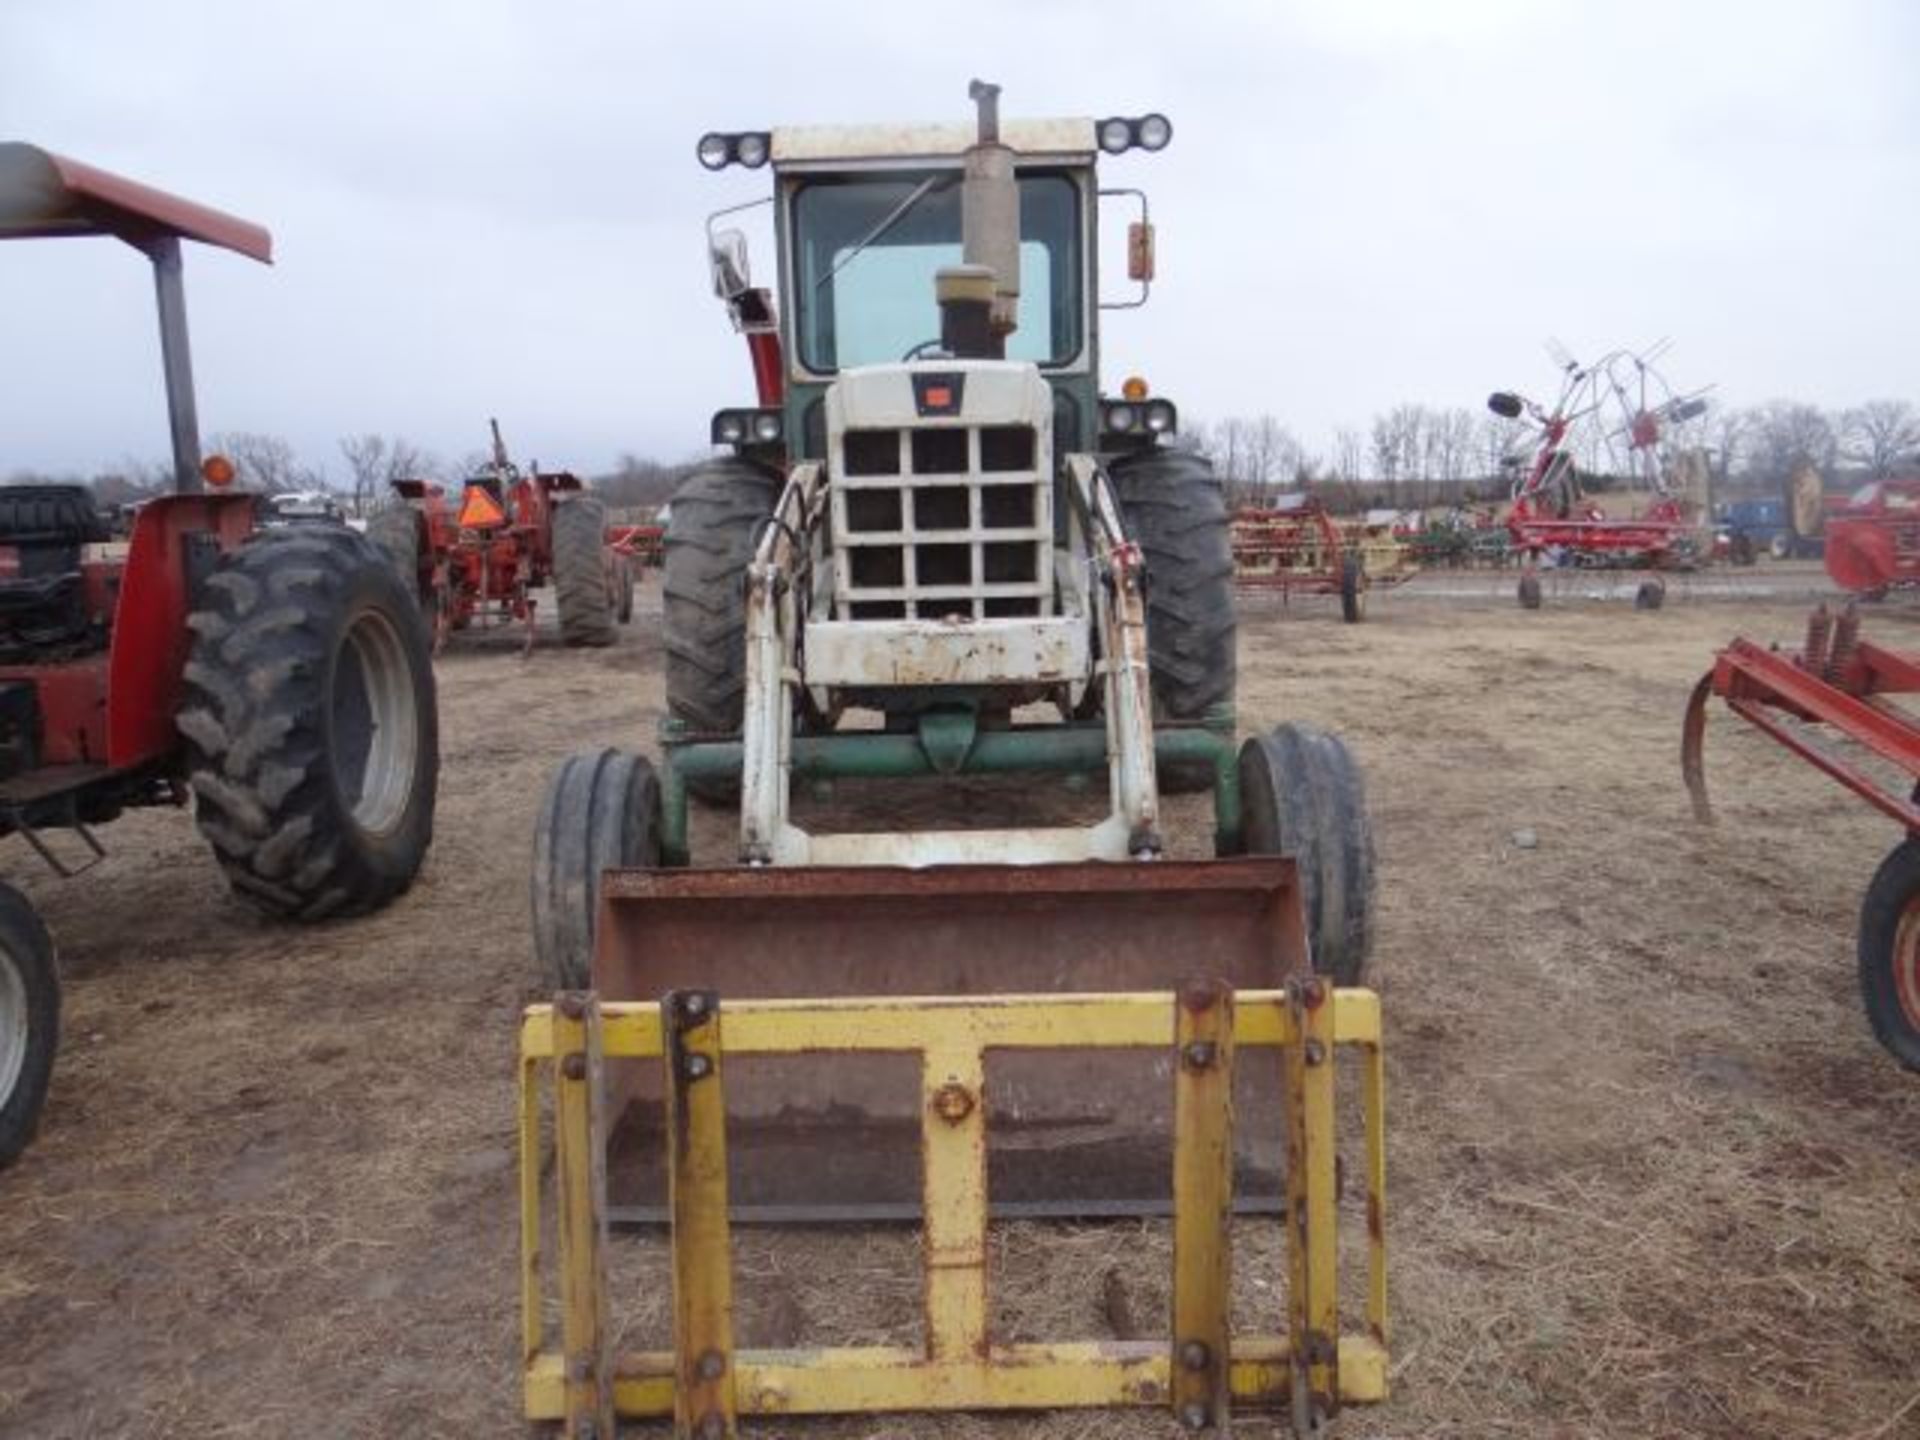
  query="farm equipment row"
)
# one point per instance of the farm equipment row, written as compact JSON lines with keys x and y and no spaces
{"x":1844,"y":682}
{"x":478,"y":563}
{"x":279,"y":677}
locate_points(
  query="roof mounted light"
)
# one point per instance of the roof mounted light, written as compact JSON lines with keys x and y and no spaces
{"x":1120,"y":133}
{"x":718,"y":149}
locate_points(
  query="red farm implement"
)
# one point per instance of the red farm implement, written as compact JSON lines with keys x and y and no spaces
{"x":279,"y":677}
{"x":1845,"y":683}
{"x":1298,"y":548}
{"x":477,"y":563}
{"x":1873,"y":542}
{"x":1615,"y":417}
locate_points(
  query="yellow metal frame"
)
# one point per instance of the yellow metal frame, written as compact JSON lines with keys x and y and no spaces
{"x":1201,"y":1372}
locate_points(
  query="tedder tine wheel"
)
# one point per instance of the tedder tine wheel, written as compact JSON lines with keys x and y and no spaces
{"x":1651,"y":595}
{"x":29,"y":1020}
{"x":1353,"y":589}
{"x":601,"y":812}
{"x":1302,"y":796}
{"x":1890,"y":953}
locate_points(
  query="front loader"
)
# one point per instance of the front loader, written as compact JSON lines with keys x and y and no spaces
{"x":936,"y":553}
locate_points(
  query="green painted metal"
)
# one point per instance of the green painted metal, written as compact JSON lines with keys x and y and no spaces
{"x":1057,"y":749}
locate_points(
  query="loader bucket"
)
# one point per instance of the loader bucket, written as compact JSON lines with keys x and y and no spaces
{"x":1075,"y":1133}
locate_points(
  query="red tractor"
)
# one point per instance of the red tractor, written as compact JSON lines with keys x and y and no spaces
{"x":512,"y":533}
{"x":281,"y":678}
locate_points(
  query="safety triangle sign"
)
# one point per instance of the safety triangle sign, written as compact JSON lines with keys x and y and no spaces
{"x":480,"y":511}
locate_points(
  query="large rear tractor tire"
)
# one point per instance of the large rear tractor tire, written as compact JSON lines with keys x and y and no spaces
{"x":601,"y":812}
{"x":1889,"y":953}
{"x":716,"y":519}
{"x":399,"y":533}
{"x":29,"y":1021}
{"x":582,"y":583}
{"x":1301,"y":795}
{"x":1176,"y":512}
{"x":312,"y":735}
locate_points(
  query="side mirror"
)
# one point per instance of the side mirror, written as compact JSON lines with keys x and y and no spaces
{"x":1140,"y":251}
{"x":727,"y":258}
{"x":1506,"y":404}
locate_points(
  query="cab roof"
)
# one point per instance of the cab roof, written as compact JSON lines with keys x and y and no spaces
{"x":44,"y":194}
{"x":812,"y":144}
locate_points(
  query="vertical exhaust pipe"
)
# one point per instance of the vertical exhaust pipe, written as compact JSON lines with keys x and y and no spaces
{"x":989,"y":241}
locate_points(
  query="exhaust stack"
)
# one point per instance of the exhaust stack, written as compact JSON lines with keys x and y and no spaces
{"x":989,"y":226}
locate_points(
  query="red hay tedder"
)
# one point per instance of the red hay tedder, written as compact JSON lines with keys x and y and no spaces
{"x":1873,"y":542}
{"x":1618,"y":412}
{"x":1845,"y":683}
{"x":479,"y":563}
{"x":1297,"y":548}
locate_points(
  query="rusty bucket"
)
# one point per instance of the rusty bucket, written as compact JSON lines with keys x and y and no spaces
{"x":835,"y":1137}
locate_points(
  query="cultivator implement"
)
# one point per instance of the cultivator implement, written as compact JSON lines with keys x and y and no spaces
{"x":1206,"y":1038}
{"x":1845,"y":684}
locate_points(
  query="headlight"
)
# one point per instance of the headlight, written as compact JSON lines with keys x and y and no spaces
{"x":1160,"y":417}
{"x":1121,"y":419}
{"x":729,"y":427}
{"x":766,"y":426}
{"x":1115,"y":135}
{"x":714,"y":151}
{"x":751,"y":148}
{"x":1153,"y":131}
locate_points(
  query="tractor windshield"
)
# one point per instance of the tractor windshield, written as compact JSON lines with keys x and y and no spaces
{"x":866,"y":249}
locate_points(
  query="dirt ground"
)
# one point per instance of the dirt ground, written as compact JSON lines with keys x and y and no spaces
{"x":1649,"y":1174}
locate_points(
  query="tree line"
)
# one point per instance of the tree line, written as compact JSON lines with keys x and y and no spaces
{"x":1409,"y":455}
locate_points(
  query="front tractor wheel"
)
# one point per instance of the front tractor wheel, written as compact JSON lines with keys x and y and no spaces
{"x":1890,"y":953}
{"x":601,"y":812}
{"x":1302,"y":796}
{"x":311,"y":729}
{"x":582,"y":583}
{"x":29,"y":1021}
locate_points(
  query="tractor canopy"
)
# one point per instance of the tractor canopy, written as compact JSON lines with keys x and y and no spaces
{"x":44,"y":194}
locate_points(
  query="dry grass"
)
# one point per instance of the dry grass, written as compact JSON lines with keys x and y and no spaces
{"x":1648,"y":1173}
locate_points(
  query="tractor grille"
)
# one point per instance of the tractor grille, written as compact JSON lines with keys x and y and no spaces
{"x":940,"y":522}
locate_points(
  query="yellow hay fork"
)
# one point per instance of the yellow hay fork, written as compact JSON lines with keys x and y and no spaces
{"x":1200,"y":1372}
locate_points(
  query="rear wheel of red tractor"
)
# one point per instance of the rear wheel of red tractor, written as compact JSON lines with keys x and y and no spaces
{"x":1529,"y":593}
{"x":311,"y":729}
{"x":29,"y":1021}
{"x":1301,"y":795}
{"x":601,"y":812}
{"x":623,"y":587}
{"x":582,"y":583}
{"x":1889,"y":953}
{"x":399,"y":533}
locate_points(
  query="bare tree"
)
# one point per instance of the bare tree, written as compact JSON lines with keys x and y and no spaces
{"x":376,"y":461}
{"x":1880,"y":434}
{"x":1349,"y":454}
{"x":1787,"y":434}
{"x":266,"y":462}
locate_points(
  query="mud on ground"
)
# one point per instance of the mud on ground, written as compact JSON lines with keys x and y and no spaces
{"x":1649,"y":1174}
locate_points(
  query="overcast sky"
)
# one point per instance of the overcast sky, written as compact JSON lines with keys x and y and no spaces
{"x":492,"y":207}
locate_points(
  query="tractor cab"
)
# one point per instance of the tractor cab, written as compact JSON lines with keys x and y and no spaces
{"x":867,"y":218}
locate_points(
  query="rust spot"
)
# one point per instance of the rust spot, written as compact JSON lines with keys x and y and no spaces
{"x":1199,"y":995}
{"x":574,"y":1067}
{"x":573,"y":1005}
{"x":953,"y":1102}
{"x":1375,"y":1227}
{"x":1314,"y":993}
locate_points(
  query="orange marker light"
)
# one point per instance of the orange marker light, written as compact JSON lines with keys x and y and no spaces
{"x":939,"y":397}
{"x":1134,"y":387}
{"x":217,"y":471}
